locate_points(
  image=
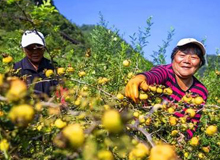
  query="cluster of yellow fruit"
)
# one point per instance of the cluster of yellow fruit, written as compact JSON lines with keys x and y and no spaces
{"x":60,"y":71}
{"x":102,"y":80}
{"x":160,"y":89}
{"x":196,"y":100}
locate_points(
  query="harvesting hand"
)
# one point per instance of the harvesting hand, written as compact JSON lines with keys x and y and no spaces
{"x":132,"y":88}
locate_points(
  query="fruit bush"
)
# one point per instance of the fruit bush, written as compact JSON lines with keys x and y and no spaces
{"x":91,"y":118}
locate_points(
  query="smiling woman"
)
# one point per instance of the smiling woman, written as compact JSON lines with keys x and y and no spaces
{"x":187,"y":58}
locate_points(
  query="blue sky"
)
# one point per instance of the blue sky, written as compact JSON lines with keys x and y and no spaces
{"x":198,"y":19}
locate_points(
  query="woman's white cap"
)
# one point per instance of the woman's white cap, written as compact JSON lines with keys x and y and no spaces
{"x":32,"y":37}
{"x":185,"y":41}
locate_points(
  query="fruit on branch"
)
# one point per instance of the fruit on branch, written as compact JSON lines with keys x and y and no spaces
{"x":82,"y":74}
{"x":70,"y":70}
{"x":60,"y":71}
{"x":74,"y":134}
{"x":21,"y":115}
{"x":191,"y":112}
{"x":120,"y":96}
{"x":17,"y":90}
{"x":111,"y":121}
{"x":162,"y":152}
{"x":187,"y":98}
{"x":59,"y":123}
{"x":49,"y":73}
{"x":173,"y":121}
{"x":168,"y":91}
{"x":126,"y":63}
{"x":4,"y":145}
{"x":211,"y":130}
{"x":198,"y":100}
{"x":194,"y":141}
{"x":105,"y":155}
{"x":139,"y":152}
{"x":143,"y":96}
{"x":7,"y":59}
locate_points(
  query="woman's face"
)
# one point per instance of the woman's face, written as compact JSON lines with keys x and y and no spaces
{"x":185,"y":65}
{"x":34,"y":52}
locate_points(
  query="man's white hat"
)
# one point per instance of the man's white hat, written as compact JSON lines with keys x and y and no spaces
{"x":185,"y":41}
{"x":32,"y":37}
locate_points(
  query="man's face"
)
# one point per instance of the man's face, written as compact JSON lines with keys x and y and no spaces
{"x":185,"y":65}
{"x":34,"y":52}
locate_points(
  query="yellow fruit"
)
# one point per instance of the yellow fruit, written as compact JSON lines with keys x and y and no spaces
{"x":120,"y":96}
{"x":201,"y":155}
{"x":162,"y":152}
{"x":194,"y":141}
{"x":1,"y":79}
{"x":7,"y":59}
{"x":159,"y":90}
{"x":174,"y":132}
{"x":126,"y":63}
{"x":148,"y":121}
{"x":75,"y":134}
{"x":206,"y":149}
{"x":141,"y":119}
{"x":191,"y":112}
{"x":4,"y":145}
{"x":136,"y":114}
{"x":198,"y":100}
{"x":60,"y":71}
{"x":140,"y":151}
{"x":187,"y":98}
{"x":153,"y":88}
{"x":143,"y":96}
{"x":70,"y":69}
{"x":168,"y":91}
{"x":106,"y":107}
{"x":186,"y":154}
{"x":105,"y":155}
{"x":173,"y":121}
{"x":81,"y":73}
{"x":21,"y":115}
{"x":130,"y":75}
{"x":111,"y":120}
{"x":170,"y":110}
{"x":17,"y":91}
{"x":211,"y":130}
{"x":38,"y":106}
{"x":49,"y":73}
{"x":59,"y":123}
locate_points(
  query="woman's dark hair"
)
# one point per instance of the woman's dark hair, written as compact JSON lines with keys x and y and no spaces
{"x":185,"y":49}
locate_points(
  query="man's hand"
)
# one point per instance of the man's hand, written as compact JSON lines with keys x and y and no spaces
{"x":131,"y":89}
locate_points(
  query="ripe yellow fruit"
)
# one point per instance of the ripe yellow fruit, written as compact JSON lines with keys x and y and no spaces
{"x":126,"y":63}
{"x":143,"y":96}
{"x":4,"y":145}
{"x":206,"y":149}
{"x":130,"y":75}
{"x":17,"y":91}
{"x":201,"y":155}
{"x":186,"y":154}
{"x":38,"y":106}
{"x":168,"y":91}
{"x":162,"y":152}
{"x":148,"y":121}
{"x":120,"y":96}
{"x":194,"y":141}
{"x":187,"y":98}
{"x":211,"y":130}
{"x":139,"y":152}
{"x":70,"y":69}
{"x":170,"y":110}
{"x":1,"y":79}
{"x":153,"y":88}
{"x":141,"y":119}
{"x":60,"y":71}
{"x":59,"y":123}
{"x":173,"y":121}
{"x":159,"y":90}
{"x":136,"y":114}
{"x":198,"y":100}
{"x":191,"y":112}
{"x":49,"y":73}
{"x":74,"y":134}
{"x":7,"y":59}
{"x":105,"y":155}
{"x":111,"y":120}
{"x":21,"y":115}
{"x":81,"y":73}
{"x":174,"y":132}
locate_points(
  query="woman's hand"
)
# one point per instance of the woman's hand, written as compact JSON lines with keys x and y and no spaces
{"x":132,"y":87}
